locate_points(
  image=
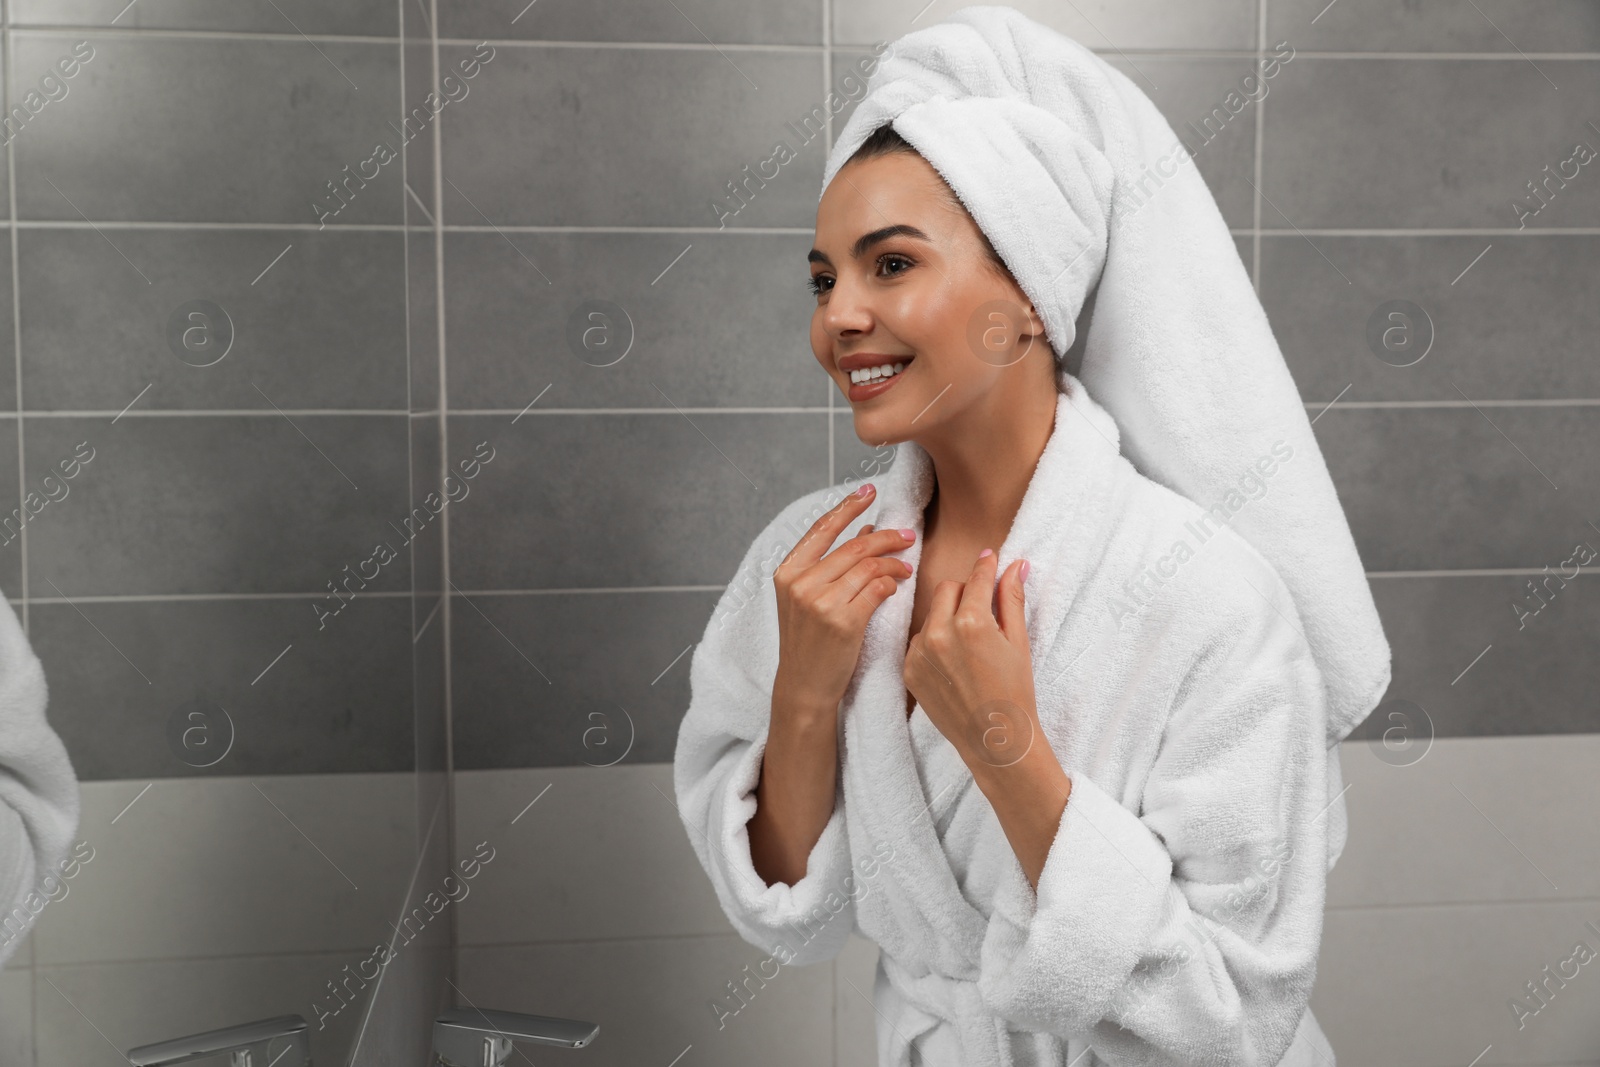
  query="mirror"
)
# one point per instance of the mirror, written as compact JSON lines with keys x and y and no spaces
{"x":231,"y":477}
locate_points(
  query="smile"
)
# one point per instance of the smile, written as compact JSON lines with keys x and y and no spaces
{"x":868,"y":382}
{"x":867,"y":375}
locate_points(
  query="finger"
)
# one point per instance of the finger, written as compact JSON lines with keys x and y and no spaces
{"x":844,"y":591}
{"x":1013,"y":617}
{"x":853,"y":582}
{"x":825,"y":531}
{"x":977,"y":596}
{"x":872,"y":595}
{"x":843,"y":559}
{"x":942,"y":605}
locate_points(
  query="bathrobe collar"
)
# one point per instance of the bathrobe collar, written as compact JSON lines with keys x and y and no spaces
{"x":1060,"y":528}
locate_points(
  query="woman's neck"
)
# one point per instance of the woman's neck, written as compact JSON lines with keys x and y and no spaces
{"x":981,"y":477}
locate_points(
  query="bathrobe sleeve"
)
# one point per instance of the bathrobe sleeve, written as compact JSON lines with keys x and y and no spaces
{"x":1187,"y":932}
{"x":717,"y":763}
{"x":38,"y":791}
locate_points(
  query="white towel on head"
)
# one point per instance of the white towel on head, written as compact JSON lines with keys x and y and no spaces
{"x":1077,"y":180}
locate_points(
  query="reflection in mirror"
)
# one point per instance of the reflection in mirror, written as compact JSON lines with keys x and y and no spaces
{"x":228,"y":554}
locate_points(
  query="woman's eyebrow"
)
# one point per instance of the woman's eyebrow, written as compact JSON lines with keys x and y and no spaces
{"x":867,"y":240}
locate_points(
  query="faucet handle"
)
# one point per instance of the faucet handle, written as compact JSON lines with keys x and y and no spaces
{"x":248,"y":1042}
{"x":475,"y":1037}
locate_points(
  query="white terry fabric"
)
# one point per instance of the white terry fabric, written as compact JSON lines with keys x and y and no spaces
{"x":1077,"y":180}
{"x":1165,"y":931}
{"x":38,"y":791}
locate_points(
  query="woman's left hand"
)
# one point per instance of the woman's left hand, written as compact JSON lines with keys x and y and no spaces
{"x":972,"y":672}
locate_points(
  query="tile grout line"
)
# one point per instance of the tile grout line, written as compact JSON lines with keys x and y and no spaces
{"x":774,"y":409}
{"x":69,"y":29}
{"x":16,"y":328}
{"x":447,"y":616}
{"x":405,"y":284}
{"x":1260,"y":128}
{"x":827,"y":152}
{"x":223,"y":225}
{"x":161,"y":598}
{"x":403,"y":44}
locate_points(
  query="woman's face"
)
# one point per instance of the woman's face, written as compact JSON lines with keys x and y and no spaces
{"x":902,"y":276}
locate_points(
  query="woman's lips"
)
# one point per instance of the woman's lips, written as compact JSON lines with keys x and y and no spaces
{"x":871,"y":389}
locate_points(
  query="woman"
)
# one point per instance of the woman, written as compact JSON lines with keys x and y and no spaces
{"x":1110,"y":826}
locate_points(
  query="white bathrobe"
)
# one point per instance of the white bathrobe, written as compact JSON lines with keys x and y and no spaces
{"x":1179,"y":914}
{"x":38,"y":791}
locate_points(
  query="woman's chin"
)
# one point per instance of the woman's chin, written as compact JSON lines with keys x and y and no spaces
{"x":886,"y":423}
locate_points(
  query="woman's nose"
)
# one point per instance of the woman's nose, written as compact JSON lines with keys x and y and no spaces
{"x":846,"y":310}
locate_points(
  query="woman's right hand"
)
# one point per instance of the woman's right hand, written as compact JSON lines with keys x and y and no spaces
{"x":825,"y":602}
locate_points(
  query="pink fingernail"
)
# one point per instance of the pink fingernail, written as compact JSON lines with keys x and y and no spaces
{"x":986,"y":552}
{"x":1024,"y":574}
{"x":864,"y":490}
{"x":908,"y":533}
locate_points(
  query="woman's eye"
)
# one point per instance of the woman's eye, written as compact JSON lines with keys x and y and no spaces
{"x":821,"y":283}
{"x":892,"y":258}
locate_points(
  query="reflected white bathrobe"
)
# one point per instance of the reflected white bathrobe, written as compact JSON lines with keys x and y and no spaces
{"x":38,"y":790}
{"x":1179,"y":914}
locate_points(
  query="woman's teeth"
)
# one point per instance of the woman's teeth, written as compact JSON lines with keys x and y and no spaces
{"x":873,"y":374}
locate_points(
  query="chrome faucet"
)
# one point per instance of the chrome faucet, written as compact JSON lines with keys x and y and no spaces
{"x":475,"y":1037}
{"x":248,"y":1042}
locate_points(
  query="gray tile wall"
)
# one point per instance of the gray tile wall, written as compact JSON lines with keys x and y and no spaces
{"x":1381,"y":165}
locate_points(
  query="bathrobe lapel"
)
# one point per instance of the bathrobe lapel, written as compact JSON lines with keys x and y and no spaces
{"x":1060,"y":528}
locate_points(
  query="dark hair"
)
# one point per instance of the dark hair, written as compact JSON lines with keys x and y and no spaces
{"x":885,"y":140}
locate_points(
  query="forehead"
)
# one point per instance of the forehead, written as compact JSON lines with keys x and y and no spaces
{"x":900,"y":191}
